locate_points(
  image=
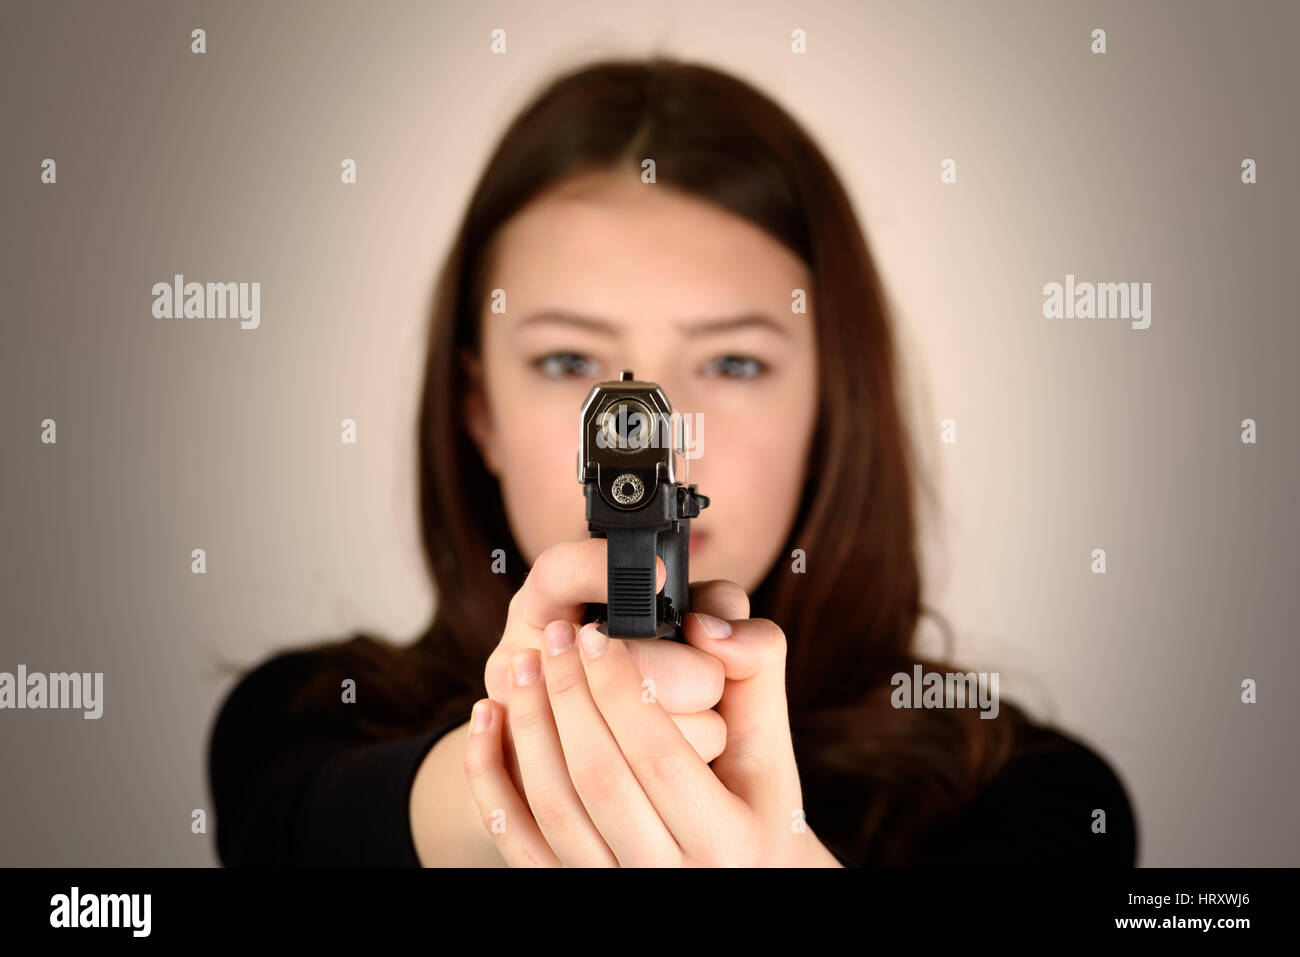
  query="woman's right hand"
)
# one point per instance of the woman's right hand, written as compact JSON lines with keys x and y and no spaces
{"x":685,"y":681}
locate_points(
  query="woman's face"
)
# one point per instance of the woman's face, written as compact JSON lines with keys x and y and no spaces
{"x":605,"y":273}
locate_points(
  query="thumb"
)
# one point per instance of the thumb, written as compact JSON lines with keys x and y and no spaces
{"x":757,"y":764}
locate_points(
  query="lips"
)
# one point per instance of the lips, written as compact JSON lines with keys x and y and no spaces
{"x":698,"y":539}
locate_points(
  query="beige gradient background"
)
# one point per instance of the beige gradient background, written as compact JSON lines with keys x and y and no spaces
{"x":1072,"y":435}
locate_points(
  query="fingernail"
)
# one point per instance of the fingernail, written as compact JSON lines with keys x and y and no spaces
{"x":480,"y":717}
{"x":593,"y":642}
{"x":714,"y":627}
{"x":559,"y":636}
{"x":527,"y":667}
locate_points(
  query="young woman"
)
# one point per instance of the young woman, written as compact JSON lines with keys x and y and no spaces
{"x":668,"y":219}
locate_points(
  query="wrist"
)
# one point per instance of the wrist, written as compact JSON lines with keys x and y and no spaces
{"x":446,"y":826}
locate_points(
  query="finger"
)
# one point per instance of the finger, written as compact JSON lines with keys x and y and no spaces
{"x":704,"y":729}
{"x":610,"y":791}
{"x":689,"y":798}
{"x":505,"y":816}
{"x":758,"y":761}
{"x":561,"y":582}
{"x":683,"y":679}
{"x":706,"y":732}
{"x":721,"y":598}
{"x":551,"y":797}
{"x":564,"y":579}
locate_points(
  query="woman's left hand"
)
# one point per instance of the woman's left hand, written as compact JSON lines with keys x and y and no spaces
{"x":609,"y":778}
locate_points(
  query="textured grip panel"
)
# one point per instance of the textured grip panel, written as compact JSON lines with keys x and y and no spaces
{"x":632,"y":593}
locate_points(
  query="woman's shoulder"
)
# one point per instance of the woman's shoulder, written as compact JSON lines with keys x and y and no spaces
{"x":302,"y":770}
{"x":275,"y":688}
{"x":291,"y":669}
{"x":276,"y":677}
{"x":1056,"y":802}
{"x":357,"y":685}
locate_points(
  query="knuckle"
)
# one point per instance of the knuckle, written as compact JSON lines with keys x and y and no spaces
{"x":722,"y":598}
{"x":568,"y":685}
{"x":666,"y":764}
{"x":539,"y":575}
{"x":589,"y":565}
{"x":553,"y":567}
{"x":526,"y":719}
{"x":552,"y":809}
{"x":562,"y":571}
{"x":601,"y":784}
{"x":719,"y":678}
{"x":770,"y":638}
{"x":741,"y":598}
{"x":477,"y":767}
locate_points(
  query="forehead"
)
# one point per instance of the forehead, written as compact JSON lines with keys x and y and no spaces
{"x":609,"y":242}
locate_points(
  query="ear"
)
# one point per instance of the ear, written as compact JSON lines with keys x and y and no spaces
{"x":478,"y":414}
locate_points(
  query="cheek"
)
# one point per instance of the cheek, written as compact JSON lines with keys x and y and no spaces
{"x":544,"y":501}
{"x":746,"y":463}
{"x":753,"y":478}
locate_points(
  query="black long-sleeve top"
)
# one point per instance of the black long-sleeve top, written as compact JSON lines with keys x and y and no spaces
{"x":312,"y":790}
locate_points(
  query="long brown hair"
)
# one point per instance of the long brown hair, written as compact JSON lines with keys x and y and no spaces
{"x":874,"y":776}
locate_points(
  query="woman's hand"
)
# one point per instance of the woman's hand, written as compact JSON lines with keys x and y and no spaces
{"x":686,"y":681}
{"x":610,"y":779}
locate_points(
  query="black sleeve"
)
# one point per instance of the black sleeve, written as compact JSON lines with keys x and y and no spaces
{"x":308,"y":789}
{"x":1039,"y":812}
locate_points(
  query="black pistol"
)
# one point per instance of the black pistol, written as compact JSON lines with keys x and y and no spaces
{"x":625,"y":463}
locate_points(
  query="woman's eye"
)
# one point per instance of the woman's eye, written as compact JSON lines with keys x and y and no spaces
{"x":561,"y":365}
{"x":737,"y":367}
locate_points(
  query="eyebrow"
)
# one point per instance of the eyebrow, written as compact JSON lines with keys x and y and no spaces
{"x":746,"y":320}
